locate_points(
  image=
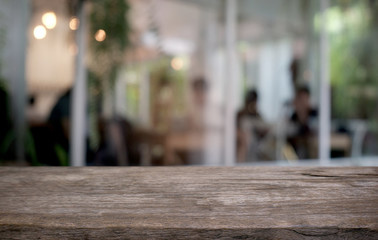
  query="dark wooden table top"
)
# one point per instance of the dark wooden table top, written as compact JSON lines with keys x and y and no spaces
{"x":189,"y":203}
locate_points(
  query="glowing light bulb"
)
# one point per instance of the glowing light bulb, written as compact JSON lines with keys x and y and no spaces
{"x":39,"y":32}
{"x":100,"y":35}
{"x":177,"y":63}
{"x":74,"y":23}
{"x":49,"y":20}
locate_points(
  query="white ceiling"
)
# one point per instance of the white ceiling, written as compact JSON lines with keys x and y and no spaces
{"x":179,"y":23}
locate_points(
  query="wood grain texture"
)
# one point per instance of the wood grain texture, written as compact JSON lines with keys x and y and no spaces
{"x":189,"y":203}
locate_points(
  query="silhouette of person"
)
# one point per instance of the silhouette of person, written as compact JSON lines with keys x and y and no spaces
{"x":302,"y":124}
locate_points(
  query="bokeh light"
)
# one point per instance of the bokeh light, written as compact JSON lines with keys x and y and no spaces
{"x":49,"y":20}
{"x":177,"y":63}
{"x":39,"y":32}
{"x":74,"y":23}
{"x":100,"y":35}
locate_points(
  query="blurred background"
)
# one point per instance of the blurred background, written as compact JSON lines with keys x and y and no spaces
{"x":188,"y":82}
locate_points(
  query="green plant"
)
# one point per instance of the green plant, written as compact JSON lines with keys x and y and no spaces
{"x":107,"y":55}
{"x":354,"y":75}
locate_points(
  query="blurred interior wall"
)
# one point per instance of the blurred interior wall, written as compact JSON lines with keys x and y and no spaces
{"x":50,"y":62}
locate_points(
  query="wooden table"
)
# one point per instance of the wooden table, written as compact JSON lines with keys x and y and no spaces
{"x":189,"y":203}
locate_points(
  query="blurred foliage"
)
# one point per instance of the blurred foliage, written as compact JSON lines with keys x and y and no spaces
{"x":164,"y":82}
{"x":108,"y":55}
{"x":164,"y":78}
{"x":62,"y":155}
{"x":352,"y":26}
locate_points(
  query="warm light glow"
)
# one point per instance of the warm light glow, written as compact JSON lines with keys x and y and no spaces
{"x":100,"y":35}
{"x":177,"y":63}
{"x":74,"y":23}
{"x":49,"y":20}
{"x":39,"y":32}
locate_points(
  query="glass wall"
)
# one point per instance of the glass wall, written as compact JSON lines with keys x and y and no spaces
{"x":353,"y":30}
{"x":189,"y":82}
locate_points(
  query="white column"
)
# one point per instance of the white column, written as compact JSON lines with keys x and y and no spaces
{"x":14,"y":21}
{"x":325,"y":103}
{"x":231,"y":83}
{"x":79,"y":96}
{"x":144,"y":102}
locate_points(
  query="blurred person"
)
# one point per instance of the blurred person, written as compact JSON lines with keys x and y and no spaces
{"x":188,"y":145}
{"x":59,"y":122}
{"x":60,"y":119}
{"x":197,"y":117}
{"x":116,"y":146}
{"x":5,"y":124}
{"x":302,"y":127}
{"x":251,"y":128}
{"x":294,"y":70}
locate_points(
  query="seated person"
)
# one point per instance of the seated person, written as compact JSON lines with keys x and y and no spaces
{"x":251,"y":129}
{"x":302,"y":128}
{"x":190,"y":141}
